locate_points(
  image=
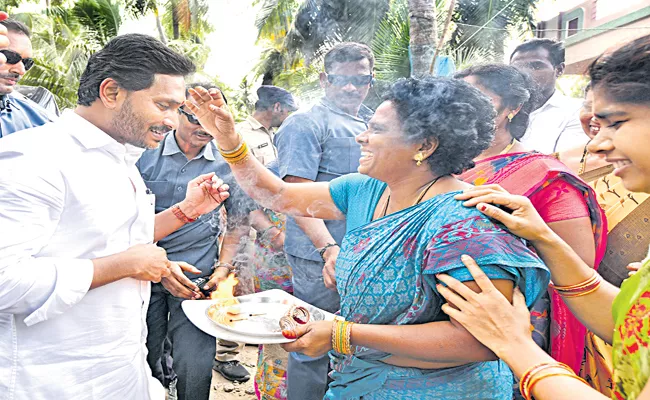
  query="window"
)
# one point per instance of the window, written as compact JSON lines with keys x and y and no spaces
{"x":572,"y":27}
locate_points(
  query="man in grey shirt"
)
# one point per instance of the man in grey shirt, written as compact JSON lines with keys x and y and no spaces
{"x":318,"y":145}
{"x":185,"y":153}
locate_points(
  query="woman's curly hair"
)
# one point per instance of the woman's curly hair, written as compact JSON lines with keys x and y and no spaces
{"x":448,"y":111}
{"x":514,"y":87}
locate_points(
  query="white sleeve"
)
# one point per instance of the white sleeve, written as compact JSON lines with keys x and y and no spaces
{"x":31,"y":202}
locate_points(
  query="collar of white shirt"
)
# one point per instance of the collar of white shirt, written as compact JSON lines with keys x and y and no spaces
{"x":91,"y":137}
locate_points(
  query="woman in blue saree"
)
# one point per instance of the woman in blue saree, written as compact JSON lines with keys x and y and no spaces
{"x":404,"y":227}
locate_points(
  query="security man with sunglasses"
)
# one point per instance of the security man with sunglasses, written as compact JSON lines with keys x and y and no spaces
{"x":319,"y":144}
{"x":186,"y":152}
{"x":17,"y":112}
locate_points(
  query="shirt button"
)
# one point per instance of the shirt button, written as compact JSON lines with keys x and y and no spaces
{"x":183,"y":171}
{"x":180,"y":188}
{"x":213,"y":237}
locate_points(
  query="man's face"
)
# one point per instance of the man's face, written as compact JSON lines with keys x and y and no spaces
{"x":347,"y":95}
{"x":10,"y":74}
{"x":280,"y":113}
{"x":538,"y":64}
{"x":145,"y":116}
{"x":190,"y":132}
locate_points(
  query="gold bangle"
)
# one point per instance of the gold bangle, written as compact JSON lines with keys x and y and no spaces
{"x":534,"y":381}
{"x":534,"y":370}
{"x":585,"y":288}
{"x":242,"y":150}
{"x":334,"y":325}
{"x":348,"y":342}
{"x":240,"y":161}
{"x":240,"y":158}
{"x":577,"y":285}
{"x":241,"y":142}
{"x":236,"y":154}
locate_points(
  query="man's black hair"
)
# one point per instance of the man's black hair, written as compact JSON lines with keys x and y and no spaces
{"x":17,"y":27}
{"x":348,"y":52}
{"x":132,"y":61}
{"x":555,"y":49}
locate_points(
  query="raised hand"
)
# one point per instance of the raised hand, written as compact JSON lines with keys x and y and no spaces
{"x":521,"y":218}
{"x":211,"y":110}
{"x":204,"y":193}
{"x":4,"y":40}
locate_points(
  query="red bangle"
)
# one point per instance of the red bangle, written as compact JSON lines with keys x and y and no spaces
{"x":181,"y":215}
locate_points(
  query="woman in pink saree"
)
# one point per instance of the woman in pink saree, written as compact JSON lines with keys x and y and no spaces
{"x":566,"y":203}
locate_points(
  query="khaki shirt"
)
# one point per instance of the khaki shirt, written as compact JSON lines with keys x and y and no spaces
{"x":258,"y":139}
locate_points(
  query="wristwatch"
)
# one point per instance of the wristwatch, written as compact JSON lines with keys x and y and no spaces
{"x":231,"y":268}
{"x":323,"y":249}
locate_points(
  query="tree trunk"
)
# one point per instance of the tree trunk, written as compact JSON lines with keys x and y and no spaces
{"x":422,"y":18}
{"x":175,"y":20}
{"x":161,"y":31}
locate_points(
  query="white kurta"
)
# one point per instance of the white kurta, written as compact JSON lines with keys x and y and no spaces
{"x":70,"y":193}
{"x":555,"y":126}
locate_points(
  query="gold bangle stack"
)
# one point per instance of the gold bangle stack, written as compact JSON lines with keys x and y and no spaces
{"x":531,"y":377}
{"x":238,"y":155}
{"x":341,"y":336}
{"x":581,"y":289}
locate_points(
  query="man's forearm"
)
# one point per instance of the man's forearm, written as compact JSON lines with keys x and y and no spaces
{"x":316,"y":231}
{"x":109,"y":269}
{"x":232,"y":241}
{"x":167,"y":223}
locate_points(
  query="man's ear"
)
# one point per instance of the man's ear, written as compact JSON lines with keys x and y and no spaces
{"x":559,"y":69}
{"x":109,"y":93}
{"x":323,"y":80}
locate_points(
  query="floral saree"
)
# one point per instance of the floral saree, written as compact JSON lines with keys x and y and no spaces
{"x":538,"y":176}
{"x":386,"y":275}
{"x":631,"y":347}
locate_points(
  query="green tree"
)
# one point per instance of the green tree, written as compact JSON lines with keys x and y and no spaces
{"x":292,"y":29}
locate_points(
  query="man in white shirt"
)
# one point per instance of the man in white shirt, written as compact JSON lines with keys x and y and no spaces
{"x":554,"y":126}
{"x":78,"y":227}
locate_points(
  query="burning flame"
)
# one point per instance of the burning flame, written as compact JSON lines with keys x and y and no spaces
{"x":225,"y":288}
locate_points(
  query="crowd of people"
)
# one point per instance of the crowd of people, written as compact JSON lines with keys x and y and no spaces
{"x":480,"y":236}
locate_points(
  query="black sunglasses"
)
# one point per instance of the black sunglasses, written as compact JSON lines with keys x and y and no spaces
{"x":190,"y":117}
{"x":14,"y":58}
{"x":343,"y":80}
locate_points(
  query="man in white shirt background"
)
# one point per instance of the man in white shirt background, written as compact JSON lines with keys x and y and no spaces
{"x":78,"y":227}
{"x":554,"y":126}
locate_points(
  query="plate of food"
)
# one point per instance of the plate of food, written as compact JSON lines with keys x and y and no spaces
{"x":254,"y":319}
{"x":259,"y":316}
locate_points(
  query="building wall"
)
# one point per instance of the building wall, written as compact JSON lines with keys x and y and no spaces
{"x":601,"y":25}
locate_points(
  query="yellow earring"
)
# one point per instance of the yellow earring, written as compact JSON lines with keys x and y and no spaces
{"x":511,"y":116}
{"x":418,"y":159}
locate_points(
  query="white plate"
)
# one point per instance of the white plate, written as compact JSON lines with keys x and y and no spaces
{"x":195,"y":310}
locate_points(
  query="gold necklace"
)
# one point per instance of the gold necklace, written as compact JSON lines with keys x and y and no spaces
{"x":583,"y":161}
{"x":508,"y":147}
{"x":417,"y":201}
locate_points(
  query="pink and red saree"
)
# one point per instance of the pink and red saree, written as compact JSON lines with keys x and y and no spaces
{"x":558,"y":195}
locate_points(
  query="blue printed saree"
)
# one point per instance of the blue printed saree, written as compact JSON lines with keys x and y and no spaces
{"x":386,"y":275}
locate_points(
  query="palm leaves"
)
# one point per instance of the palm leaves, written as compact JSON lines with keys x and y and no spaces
{"x":298,"y":29}
{"x":62,"y":45}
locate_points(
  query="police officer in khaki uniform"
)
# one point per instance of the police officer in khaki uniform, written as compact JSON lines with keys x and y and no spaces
{"x":273,"y":107}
